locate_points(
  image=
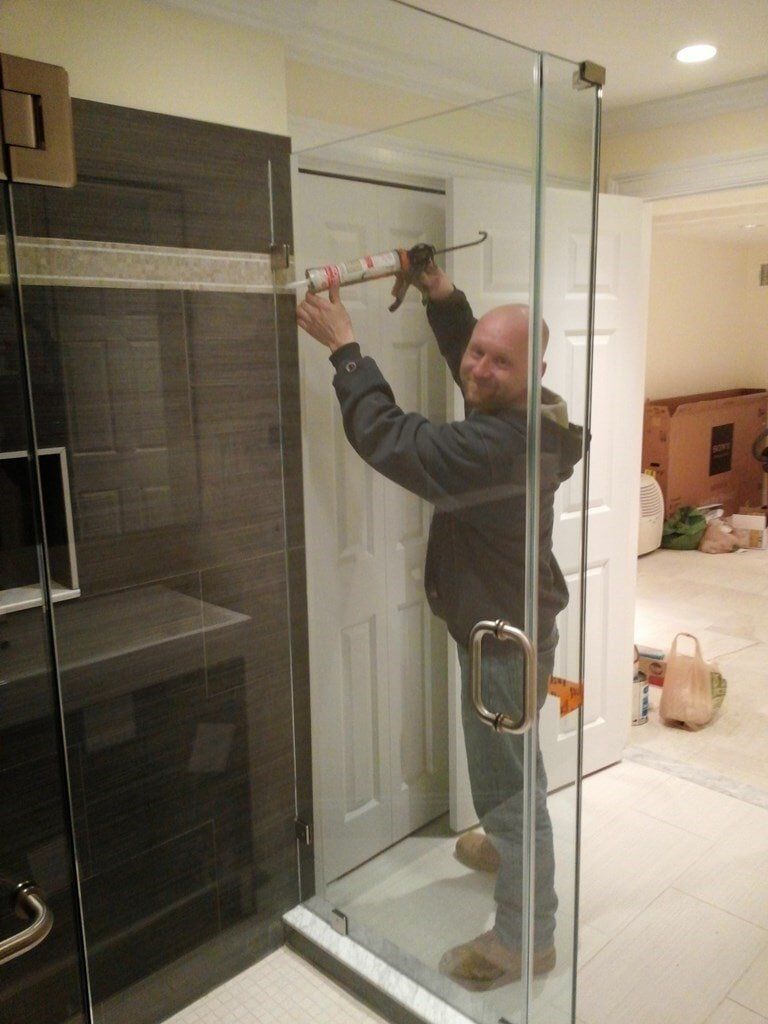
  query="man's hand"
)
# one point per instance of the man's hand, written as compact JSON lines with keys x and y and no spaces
{"x":433,"y":283}
{"x":326,"y":320}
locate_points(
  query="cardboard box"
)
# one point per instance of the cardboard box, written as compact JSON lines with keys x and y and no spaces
{"x":653,"y":663}
{"x":750,"y":530}
{"x":700,"y":447}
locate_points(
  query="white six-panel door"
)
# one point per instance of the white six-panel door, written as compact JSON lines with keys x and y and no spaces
{"x":500,"y":274}
{"x":377,"y":656}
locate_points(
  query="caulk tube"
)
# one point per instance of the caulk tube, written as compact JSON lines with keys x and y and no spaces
{"x":383,"y":264}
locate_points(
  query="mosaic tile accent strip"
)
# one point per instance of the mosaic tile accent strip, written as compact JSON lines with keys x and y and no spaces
{"x":701,"y":776}
{"x":89,"y":264}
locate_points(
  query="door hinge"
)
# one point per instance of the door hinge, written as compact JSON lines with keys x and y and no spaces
{"x":280,"y":255}
{"x":340,"y":922}
{"x":588,"y":75}
{"x":38,"y":145}
{"x":303,"y":832}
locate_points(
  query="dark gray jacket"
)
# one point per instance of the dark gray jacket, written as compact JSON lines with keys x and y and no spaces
{"x":474,"y":473}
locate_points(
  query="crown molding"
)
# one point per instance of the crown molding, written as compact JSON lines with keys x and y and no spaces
{"x":693,"y":106}
{"x":505,"y":92}
{"x":705,"y":174}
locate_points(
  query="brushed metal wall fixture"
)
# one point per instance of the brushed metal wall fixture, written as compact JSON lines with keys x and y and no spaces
{"x":36,"y":132}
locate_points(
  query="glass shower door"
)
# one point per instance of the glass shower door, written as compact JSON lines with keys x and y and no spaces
{"x":41,"y":965}
{"x":158,"y":394}
{"x":440,"y":507}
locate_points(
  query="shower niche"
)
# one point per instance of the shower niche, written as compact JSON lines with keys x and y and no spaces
{"x":19,"y":571}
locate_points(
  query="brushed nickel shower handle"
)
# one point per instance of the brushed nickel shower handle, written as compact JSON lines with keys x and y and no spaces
{"x":28,"y":904}
{"x":499,"y":720}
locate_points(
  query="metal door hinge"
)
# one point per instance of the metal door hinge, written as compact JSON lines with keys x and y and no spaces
{"x":36,"y":131}
{"x":588,"y":75}
{"x":340,"y":922}
{"x":280,"y":255}
{"x":303,"y":832}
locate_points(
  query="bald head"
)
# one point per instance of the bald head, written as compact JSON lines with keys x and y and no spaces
{"x":494,"y":368}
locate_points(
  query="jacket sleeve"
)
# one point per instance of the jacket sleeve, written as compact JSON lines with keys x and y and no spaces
{"x":452,"y":322}
{"x":447,"y":464}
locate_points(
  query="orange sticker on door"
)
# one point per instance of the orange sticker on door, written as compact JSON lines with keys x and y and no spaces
{"x":570,"y":695}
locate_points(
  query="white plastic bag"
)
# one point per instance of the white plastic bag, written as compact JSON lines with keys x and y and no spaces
{"x":718,"y":538}
{"x":687,"y":698}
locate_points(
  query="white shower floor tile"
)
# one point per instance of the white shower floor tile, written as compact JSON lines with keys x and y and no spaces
{"x":280,"y":989}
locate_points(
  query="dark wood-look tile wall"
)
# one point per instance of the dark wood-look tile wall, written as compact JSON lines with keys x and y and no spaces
{"x":181,"y":183}
{"x":45,"y":984}
{"x":179,"y":659}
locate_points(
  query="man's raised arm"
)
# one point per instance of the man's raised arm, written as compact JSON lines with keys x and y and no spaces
{"x":449,"y":313}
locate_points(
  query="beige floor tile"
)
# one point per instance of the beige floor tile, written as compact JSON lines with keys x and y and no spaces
{"x":674,"y":964}
{"x":694,"y":808}
{"x":609,"y":793}
{"x":751,"y":990}
{"x":740,"y":892}
{"x":729,"y":1012}
{"x":629,"y":864}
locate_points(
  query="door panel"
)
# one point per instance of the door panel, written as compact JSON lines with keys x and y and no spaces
{"x":345,"y":556}
{"x":382,"y":711}
{"x":616,"y":419}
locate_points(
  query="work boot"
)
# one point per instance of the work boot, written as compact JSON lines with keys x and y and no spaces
{"x":476,"y":851}
{"x":485,"y":962}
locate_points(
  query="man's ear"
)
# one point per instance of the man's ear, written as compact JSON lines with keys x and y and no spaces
{"x":543,"y":367}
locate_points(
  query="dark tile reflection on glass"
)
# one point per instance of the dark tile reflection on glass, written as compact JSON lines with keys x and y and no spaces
{"x":160,"y":180}
{"x":177,"y":659}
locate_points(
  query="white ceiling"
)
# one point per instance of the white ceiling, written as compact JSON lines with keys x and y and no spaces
{"x":633,"y":39}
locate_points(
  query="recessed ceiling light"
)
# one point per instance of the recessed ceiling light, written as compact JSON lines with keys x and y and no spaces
{"x":696,"y":54}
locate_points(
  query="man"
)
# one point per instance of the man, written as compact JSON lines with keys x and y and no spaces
{"x":474,"y":473}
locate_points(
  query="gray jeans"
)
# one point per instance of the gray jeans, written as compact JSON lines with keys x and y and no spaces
{"x":496,"y":766}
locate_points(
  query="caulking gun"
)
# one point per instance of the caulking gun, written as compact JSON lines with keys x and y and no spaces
{"x":406,"y":262}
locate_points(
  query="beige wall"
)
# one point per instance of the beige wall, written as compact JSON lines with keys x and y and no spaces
{"x":724,"y":135}
{"x":157,"y":58}
{"x":481,"y":133}
{"x":757,"y":309}
{"x":708,"y":319}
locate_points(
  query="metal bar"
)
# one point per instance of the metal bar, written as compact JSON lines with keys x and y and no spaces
{"x":585,"y":529}
{"x":464,"y":245}
{"x":533,"y":453}
{"x":372,"y":181}
{"x":29,"y":904}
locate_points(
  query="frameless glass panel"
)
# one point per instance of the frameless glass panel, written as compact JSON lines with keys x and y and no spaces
{"x":43,"y":985}
{"x":150,"y":319}
{"x":567,"y":205}
{"x":417,"y":530}
{"x":402,"y":762}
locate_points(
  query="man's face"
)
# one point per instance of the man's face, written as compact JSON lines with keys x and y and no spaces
{"x":494,"y":368}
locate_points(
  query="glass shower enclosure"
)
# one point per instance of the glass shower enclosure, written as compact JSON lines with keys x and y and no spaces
{"x":240,"y":688}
